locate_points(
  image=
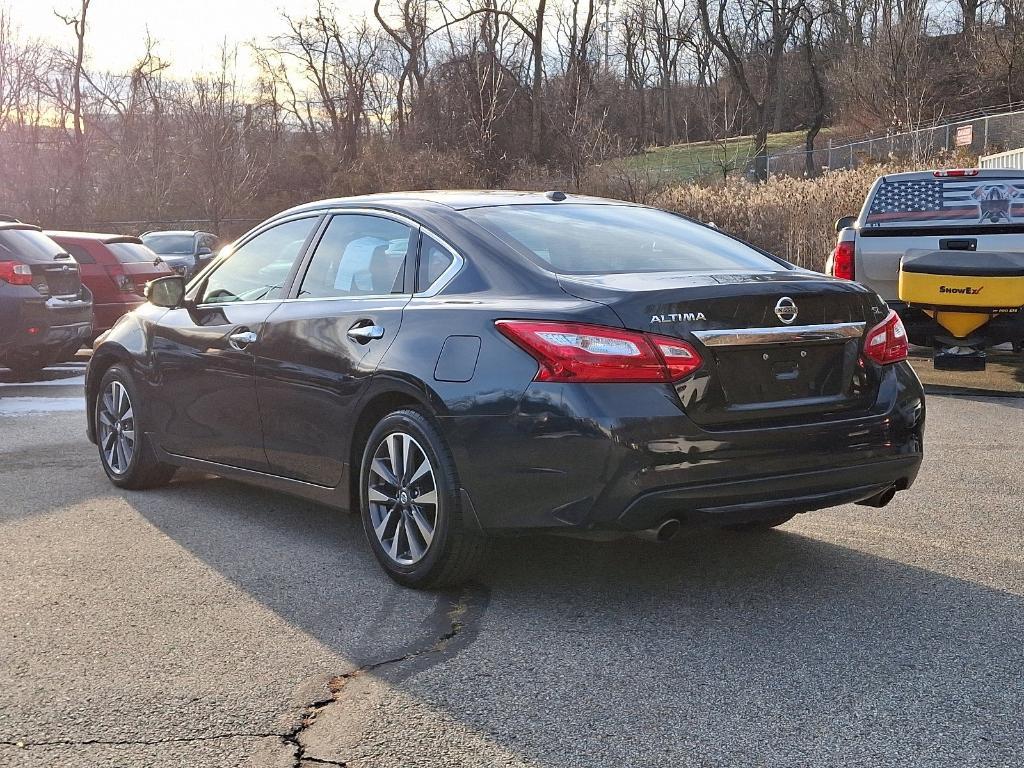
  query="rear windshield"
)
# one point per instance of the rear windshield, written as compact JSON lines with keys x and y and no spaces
{"x":608,"y":239}
{"x":131,"y":253}
{"x":917,"y":202}
{"x":171,"y":244}
{"x":27,"y":245}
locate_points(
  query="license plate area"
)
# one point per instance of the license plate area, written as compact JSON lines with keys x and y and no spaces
{"x":783,"y":373}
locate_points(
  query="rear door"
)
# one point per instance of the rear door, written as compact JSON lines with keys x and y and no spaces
{"x":206,"y":405}
{"x":322,"y":345}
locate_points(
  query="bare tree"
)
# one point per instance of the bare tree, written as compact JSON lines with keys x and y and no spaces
{"x":78,"y":23}
{"x":749,"y":31}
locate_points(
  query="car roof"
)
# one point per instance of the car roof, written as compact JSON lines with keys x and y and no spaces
{"x":97,"y":236}
{"x":456,"y":199}
{"x":18,"y":225}
{"x":177,"y":232}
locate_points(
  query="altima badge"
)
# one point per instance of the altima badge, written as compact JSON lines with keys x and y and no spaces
{"x":786,"y":310}
{"x":685,"y":317}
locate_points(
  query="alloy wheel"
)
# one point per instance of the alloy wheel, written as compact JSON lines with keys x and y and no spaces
{"x":402,"y":496}
{"x":116,"y":420}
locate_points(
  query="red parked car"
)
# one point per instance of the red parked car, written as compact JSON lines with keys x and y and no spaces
{"x":115,"y":268}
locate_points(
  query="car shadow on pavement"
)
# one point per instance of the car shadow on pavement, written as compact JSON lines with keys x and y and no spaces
{"x":726,"y":649}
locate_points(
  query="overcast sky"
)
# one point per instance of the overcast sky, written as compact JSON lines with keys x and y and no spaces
{"x":189,"y":31}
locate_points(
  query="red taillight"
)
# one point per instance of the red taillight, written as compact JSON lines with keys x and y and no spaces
{"x":15,"y":273}
{"x":121,"y":280}
{"x":952,"y":172}
{"x":573,"y":352}
{"x":887,"y":342}
{"x":843,"y":259}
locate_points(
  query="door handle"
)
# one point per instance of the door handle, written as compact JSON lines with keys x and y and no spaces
{"x":242,"y":338}
{"x":365,"y":333}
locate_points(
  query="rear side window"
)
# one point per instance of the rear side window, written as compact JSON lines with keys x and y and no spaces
{"x":358,"y":255}
{"x":27,"y":245}
{"x":434,"y":260}
{"x":607,"y":239}
{"x":131,"y":253}
{"x":79,"y":252}
{"x":958,"y":200}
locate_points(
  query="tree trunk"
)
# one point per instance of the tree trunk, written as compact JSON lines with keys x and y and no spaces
{"x":536,"y":107}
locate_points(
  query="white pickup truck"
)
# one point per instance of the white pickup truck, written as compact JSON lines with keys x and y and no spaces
{"x":945,"y":249}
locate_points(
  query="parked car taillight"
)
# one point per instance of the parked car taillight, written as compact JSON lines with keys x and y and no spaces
{"x":887,"y":342}
{"x":842,"y":260}
{"x":121,"y":280}
{"x":573,"y":352}
{"x":15,"y":273}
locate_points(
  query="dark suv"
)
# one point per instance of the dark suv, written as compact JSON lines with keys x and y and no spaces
{"x":45,"y":311}
{"x":184,"y":251}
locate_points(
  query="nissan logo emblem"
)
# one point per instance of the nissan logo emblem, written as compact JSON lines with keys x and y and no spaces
{"x":786,"y":310}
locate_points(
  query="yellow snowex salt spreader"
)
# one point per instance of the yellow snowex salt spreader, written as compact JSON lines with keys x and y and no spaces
{"x":963,"y":291}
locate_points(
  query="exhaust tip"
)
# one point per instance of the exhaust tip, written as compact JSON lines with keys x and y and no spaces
{"x":668,"y":530}
{"x":880,"y":499}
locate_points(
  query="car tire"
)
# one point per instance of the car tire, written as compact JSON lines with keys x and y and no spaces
{"x":761,"y":525}
{"x":125,"y":450}
{"x":413,"y":518}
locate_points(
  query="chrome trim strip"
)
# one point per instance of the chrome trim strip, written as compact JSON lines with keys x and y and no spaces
{"x":798,"y":334}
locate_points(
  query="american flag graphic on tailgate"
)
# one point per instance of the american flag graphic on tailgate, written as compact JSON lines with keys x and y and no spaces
{"x":935,"y":200}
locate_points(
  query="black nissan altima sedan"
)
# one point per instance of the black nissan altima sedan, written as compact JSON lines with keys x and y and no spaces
{"x":458,"y":365}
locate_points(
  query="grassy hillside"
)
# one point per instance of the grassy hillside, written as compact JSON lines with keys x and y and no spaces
{"x":685,"y":162}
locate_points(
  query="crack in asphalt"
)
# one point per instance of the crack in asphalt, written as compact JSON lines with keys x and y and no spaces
{"x":461,"y":614}
{"x":26,"y":744}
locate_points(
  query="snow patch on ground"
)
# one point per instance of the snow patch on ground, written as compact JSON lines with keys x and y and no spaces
{"x":14,"y":406}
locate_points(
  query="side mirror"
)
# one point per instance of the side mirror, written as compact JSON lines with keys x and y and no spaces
{"x":204,"y":251}
{"x":845,"y":223}
{"x":166,"y":291}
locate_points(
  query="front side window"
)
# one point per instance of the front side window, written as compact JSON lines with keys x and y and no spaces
{"x":358,"y":255}
{"x":610,"y":239}
{"x":259,"y":268}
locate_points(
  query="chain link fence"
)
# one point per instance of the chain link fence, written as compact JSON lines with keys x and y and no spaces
{"x":975,"y":134}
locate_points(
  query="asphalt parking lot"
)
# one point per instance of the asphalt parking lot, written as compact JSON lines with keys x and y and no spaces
{"x":211,"y":624}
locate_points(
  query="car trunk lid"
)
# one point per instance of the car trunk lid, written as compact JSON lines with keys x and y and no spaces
{"x":776,"y":345}
{"x":59,"y":277}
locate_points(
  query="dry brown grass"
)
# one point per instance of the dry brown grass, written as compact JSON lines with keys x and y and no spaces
{"x":790,"y":217}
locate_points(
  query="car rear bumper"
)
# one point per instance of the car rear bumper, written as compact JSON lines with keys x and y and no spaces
{"x":742,"y":501}
{"x":562,"y":462}
{"x":41,"y":325}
